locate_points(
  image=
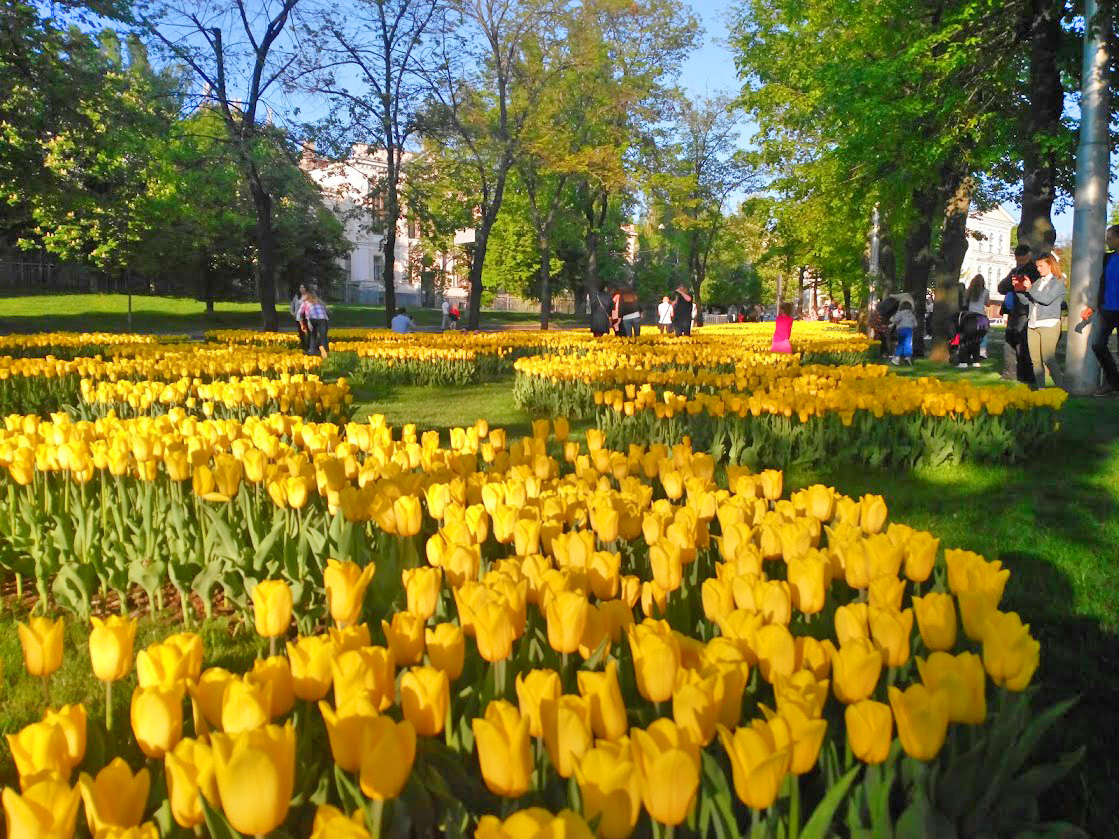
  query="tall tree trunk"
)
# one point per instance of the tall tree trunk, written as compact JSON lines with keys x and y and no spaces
{"x":918,"y":260}
{"x":949,"y":260}
{"x":477,"y":261}
{"x":1042,"y":117}
{"x":595,"y":216}
{"x":544,"y":245}
{"x":392,"y":213}
{"x":847,"y":300}
{"x":207,"y":278}
{"x":801,"y":271}
{"x":887,"y":261}
{"x":265,"y":256}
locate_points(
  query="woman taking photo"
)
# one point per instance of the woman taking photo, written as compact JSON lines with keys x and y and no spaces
{"x":1043,"y":328}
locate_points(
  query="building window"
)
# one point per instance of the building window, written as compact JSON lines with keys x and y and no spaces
{"x":378,"y":268}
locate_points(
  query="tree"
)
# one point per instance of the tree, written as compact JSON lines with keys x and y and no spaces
{"x":385,"y":43}
{"x":238,"y":57}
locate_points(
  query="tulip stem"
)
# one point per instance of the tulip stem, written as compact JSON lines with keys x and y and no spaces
{"x":376,"y":813}
{"x":47,"y":689}
{"x":271,"y":646}
{"x":794,"y":807}
{"x":108,"y":706}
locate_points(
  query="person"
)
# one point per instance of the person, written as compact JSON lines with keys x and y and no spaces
{"x":664,"y":314}
{"x":782,"y":329}
{"x":682,"y":307}
{"x":880,"y":321}
{"x":973,"y":322}
{"x":1016,"y":353}
{"x":602,"y":305}
{"x":296,"y":305}
{"x":1043,"y":323}
{"x":401,"y":323}
{"x":314,"y":317}
{"x":1107,"y":304}
{"x":904,"y":322}
{"x":977,"y":299}
{"x":732,"y":314}
{"x":627,"y":312}
{"x":446,"y":314}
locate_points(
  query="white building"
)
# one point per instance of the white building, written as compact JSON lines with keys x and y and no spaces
{"x":989,"y":249}
{"x":350,"y":187}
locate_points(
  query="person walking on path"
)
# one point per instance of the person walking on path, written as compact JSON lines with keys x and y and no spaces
{"x":314,"y":316}
{"x":1044,"y":320}
{"x":782,"y":330}
{"x":903,"y":322}
{"x":973,"y":322}
{"x":1107,"y":304}
{"x":664,"y":314}
{"x":296,"y":306}
{"x":682,"y":307}
{"x":1016,"y":352}
{"x":446,"y":314}
{"x":627,"y":312}
{"x":401,"y":323}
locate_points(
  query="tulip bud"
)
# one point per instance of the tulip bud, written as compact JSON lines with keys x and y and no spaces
{"x":922,"y":718}
{"x":425,"y":698}
{"x":310,"y":658}
{"x":422,"y":587}
{"x":255,"y":772}
{"x":936,"y":620}
{"x":41,"y":639}
{"x":110,"y":647}
{"x":446,"y":649}
{"x":870,"y":727}
{"x":533,"y":688}
{"x":504,"y":751}
{"x":345,"y":728}
{"x":345,"y":584}
{"x":667,"y":766}
{"x":368,"y":670}
{"x":47,"y":808}
{"x":115,"y":798}
{"x":855,"y":669}
{"x":1010,"y":653}
{"x":610,"y":791}
{"x":332,"y":823}
{"x":157,"y":718}
{"x":405,"y":637}
{"x":272,"y":606}
{"x":962,"y":680}
{"x":656,"y":657}
{"x":275,"y":672}
{"x":190,"y":772}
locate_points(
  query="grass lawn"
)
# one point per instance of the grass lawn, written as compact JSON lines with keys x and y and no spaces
{"x":175,"y":315}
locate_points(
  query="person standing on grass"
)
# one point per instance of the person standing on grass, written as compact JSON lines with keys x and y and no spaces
{"x":782,"y":330}
{"x":1044,"y":321}
{"x":296,"y":306}
{"x":1016,"y":362}
{"x":446,"y":314}
{"x":904,"y":322}
{"x":664,"y":314}
{"x":627,"y":312}
{"x":1107,"y":304}
{"x":314,"y":316}
{"x":973,"y":322}
{"x":682,"y":307}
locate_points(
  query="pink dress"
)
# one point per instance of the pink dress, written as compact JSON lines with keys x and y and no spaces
{"x":781,"y":333}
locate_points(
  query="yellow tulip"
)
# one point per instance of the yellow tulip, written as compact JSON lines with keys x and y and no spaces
{"x":887,"y":592}
{"x":802,"y":690}
{"x":227,"y":474}
{"x":667,"y":765}
{"x":272,"y":605}
{"x":368,"y":670}
{"x":310,"y":658}
{"x":604,"y":696}
{"x":855,"y":669}
{"x":813,"y":656}
{"x":206,"y":697}
{"x":147,"y":830}
{"x":332,"y":823}
{"x":461,"y":563}
{"x":350,"y":638}
{"x":446,"y":649}
{"x":504,"y":751}
{"x":890,"y":631}
{"x":255,"y":772}
{"x":920,"y":556}
{"x":806,"y":736}
{"x":71,"y":720}
{"x":526,"y":537}
{"x":873,"y":515}
{"x":758,"y":763}
{"x":345,"y":584}
{"x":1010,"y":653}
{"x":656,"y":658}
{"x":566,"y":723}
{"x":190,"y":772}
{"x":409,"y":515}
{"x":533,"y":688}
{"x":610,"y":791}
{"x":936,"y":620}
{"x":776,"y":651}
{"x":422,"y":587}
{"x":870,"y":727}
{"x":962,"y":679}
{"x":425,"y":696}
{"x":821,"y":502}
{"x":345,"y":728}
{"x":190,"y":645}
{"x":405,"y":637}
{"x":40,"y":748}
{"x":566,"y":613}
{"x":246,"y":703}
{"x":852,"y":621}
{"x":47,"y":809}
{"x":157,"y":718}
{"x":976,"y":606}
{"x":41,"y":639}
{"x":695,"y":705}
{"x":115,"y":797}
{"x":808,"y":581}
{"x":665,"y":559}
{"x":922,"y":718}
{"x":163,"y":665}
{"x":494,"y":630}
{"x":274,"y":671}
{"x":110,"y":647}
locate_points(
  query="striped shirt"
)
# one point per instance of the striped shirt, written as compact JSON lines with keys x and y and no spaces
{"x":313,"y":311}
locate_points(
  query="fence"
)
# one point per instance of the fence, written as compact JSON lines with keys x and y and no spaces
{"x":42,"y":276}
{"x":505,"y":302}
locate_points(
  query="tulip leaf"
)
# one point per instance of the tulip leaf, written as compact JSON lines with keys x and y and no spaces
{"x":264,"y":548}
{"x":216,"y":824}
{"x":818,"y":825}
{"x":349,"y":793}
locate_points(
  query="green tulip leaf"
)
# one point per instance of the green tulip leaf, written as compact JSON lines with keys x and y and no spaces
{"x":818,"y":825}
{"x":216,"y":824}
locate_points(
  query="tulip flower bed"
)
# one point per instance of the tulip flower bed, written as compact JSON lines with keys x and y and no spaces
{"x":502,"y":638}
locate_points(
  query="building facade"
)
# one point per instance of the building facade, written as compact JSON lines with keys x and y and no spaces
{"x":990,"y":251}
{"x":350,"y":189}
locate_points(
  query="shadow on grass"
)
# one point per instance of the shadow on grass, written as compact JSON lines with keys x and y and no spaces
{"x":1053,"y":520}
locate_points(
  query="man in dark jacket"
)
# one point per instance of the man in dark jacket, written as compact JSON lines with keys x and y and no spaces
{"x":1016,"y":353}
{"x":1107,"y":304}
{"x":682,"y":306}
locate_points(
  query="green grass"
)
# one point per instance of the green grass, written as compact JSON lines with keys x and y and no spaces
{"x":174,"y":315}
{"x":441,"y":408}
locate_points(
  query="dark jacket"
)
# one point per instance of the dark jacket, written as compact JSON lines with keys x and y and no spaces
{"x":602,"y":306}
{"x":682,"y":309}
{"x":1017,"y":319}
{"x":1103,"y":278}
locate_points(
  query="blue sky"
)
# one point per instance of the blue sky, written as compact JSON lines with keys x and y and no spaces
{"x":711,"y":69}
